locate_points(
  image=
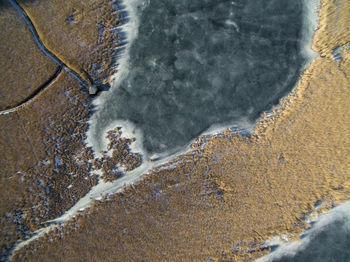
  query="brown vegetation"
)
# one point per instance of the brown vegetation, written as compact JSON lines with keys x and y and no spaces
{"x":44,"y":166}
{"x":23,"y":68}
{"x":42,"y":154}
{"x":81,"y":33}
{"x":230,"y":193}
{"x":121,"y":156}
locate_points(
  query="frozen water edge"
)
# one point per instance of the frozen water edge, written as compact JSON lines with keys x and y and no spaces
{"x":129,"y":130}
{"x":310,"y":21}
{"x":310,"y":25}
{"x":340,"y":212}
{"x":130,"y":30}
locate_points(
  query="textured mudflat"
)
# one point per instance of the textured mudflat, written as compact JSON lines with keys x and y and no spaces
{"x":232,"y":192}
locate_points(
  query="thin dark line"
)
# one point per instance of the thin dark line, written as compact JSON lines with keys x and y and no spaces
{"x":42,"y":87}
{"x":34,"y":94}
{"x":26,"y":134}
{"x":41,"y":46}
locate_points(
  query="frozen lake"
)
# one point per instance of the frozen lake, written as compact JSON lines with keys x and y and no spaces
{"x":202,"y":63}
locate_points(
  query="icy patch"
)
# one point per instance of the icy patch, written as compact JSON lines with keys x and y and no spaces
{"x":130,"y":31}
{"x":339,"y":51}
{"x":310,"y":24}
{"x":58,"y":161}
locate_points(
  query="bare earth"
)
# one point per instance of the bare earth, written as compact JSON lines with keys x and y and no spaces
{"x":228,"y":191}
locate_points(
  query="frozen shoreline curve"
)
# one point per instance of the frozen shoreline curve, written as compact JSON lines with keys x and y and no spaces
{"x":107,"y":188}
{"x":287,"y":251}
{"x":310,"y":22}
{"x":129,"y":31}
{"x":130,"y":177}
{"x":95,"y":138}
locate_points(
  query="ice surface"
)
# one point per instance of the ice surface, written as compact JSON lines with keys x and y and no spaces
{"x":195,"y":64}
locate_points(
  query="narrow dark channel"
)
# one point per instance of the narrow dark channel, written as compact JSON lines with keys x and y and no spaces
{"x":41,"y":46}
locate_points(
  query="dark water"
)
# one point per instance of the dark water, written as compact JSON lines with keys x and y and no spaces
{"x":197,"y":63}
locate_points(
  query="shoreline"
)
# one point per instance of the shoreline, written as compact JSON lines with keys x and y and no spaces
{"x":290,"y":249}
{"x":130,"y":31}
{"x":259,"y":122}
{"x":310,"y":24}
{"x":103,"y":189}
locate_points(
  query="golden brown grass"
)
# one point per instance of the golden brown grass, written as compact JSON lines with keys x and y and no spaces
{"x":44,"y":166}
{"x":236,"y":191}
{"x":23,"y":68}
{"x":80,"y":33}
